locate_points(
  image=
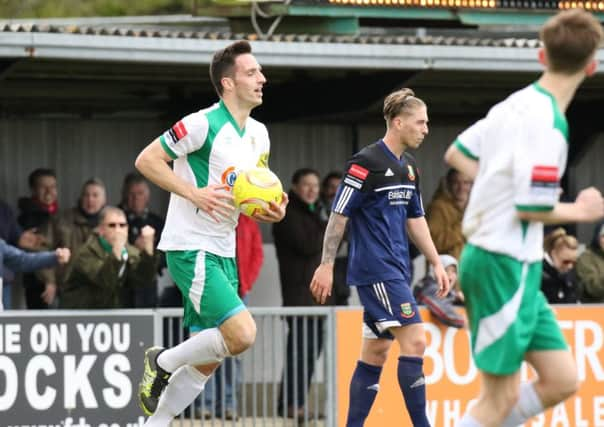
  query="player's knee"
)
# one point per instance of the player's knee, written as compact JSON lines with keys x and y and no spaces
{"x":375,"y":352}
{"x":376,"y":358}
{"x":503,"y":402}
{"x":414,"y":347}
{"x":243,"y":339}
{"x":562,"y":387}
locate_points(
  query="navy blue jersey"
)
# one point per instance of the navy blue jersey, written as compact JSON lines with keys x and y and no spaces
{"x":378,"y":194}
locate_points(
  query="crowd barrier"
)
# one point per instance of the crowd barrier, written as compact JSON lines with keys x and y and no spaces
{"x":82,"y":368}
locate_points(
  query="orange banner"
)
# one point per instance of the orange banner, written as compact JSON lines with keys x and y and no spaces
{"x":452,"y":379}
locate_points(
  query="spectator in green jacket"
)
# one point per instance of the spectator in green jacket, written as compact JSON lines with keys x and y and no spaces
{"x":105,"y":269}
{"x":590,"y":268}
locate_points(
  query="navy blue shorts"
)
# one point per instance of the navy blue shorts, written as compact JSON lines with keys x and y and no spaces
{"x":386,"y":305}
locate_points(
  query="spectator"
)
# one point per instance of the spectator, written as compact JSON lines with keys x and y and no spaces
{"x":590,"y":268}
{"x":298,"y":241}
{"x":249,"y":255}
{"x":329,"y":188}
{"x":558,"y":280}
{"x":106,"y":267}
{"x":443,"y":309}
{"x":135,"y":204}
{"x":71,"y":228}
{"x":13,"y":234}
{"x":18,"y":260}
{"x":35,"y":212}
{"x":445,"y":213}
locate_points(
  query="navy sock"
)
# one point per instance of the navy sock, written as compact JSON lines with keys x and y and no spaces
{"x":364,"y":387}
{"x":413,"y":385}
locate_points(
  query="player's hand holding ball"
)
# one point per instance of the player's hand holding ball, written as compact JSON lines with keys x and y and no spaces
{"x":258,"y":193}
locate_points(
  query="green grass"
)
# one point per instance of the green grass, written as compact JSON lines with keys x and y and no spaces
{"x":71,"y":8}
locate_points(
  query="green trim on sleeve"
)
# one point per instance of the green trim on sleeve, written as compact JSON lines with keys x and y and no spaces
{"x":167,"y":149}
{"x":464,"y":150}
{"x":534,"y":208}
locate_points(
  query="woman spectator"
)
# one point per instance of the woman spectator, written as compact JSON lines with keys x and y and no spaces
{"x":559,"y":282}
{"x":71,"y":228}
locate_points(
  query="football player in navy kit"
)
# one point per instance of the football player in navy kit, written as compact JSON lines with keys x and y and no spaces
{"x":380,"y":201}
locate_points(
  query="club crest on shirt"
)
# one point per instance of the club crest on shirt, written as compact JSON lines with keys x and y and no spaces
{"x":407,"y":311}
{"x":229,"y":176}
{"x":410,"y":173}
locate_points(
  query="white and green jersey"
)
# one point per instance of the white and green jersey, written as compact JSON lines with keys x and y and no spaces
{"x":522,"y":146}
{"x":209,"y":148}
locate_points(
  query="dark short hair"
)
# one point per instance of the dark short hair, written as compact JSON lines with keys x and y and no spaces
{"x":331,"y":175}
{"x":39,"y":173}
{"x":223,"y":62}
{"x":131,"y":179}
{"x":93,"y":181}
{"x":302,"y":172}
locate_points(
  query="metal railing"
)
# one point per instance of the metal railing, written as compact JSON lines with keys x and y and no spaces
{"x":286,"y":379}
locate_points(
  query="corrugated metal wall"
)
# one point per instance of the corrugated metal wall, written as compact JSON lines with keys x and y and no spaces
{"x":79,"y":149}
{"x":588,"y":171}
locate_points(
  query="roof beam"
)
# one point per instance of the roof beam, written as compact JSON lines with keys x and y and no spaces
{"x":294,"y":54}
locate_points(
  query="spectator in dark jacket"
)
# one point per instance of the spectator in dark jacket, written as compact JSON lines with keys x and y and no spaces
{"x":35,"y":212}
{"x":13,"y":234}
{"x":18,"y":260}
{"x":299,"y":241}
{"x":329,"y":188}
{"x":135,"y":203}
{"x":590,"y":268}
{"x":558,"y":281}
{"x":106,"y":267}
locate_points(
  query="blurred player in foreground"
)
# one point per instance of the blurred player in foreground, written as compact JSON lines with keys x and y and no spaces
{"x":517,"y":155}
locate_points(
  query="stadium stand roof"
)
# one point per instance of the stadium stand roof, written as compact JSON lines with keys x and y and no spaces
{"x":169,"y":41}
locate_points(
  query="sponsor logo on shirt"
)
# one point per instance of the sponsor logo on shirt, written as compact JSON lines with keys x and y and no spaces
{"x":544,"y":181}
{"x":407,"y":311}
{"x":399,"y":197}
{"x":545,"y":174}
{"x":229,"y":176}
{"x":389,"y":172}
{"x":358,"y":172}
{"x":177,"y":132}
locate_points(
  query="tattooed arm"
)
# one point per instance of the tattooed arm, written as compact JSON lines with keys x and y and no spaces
{"x":322,"y":281}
